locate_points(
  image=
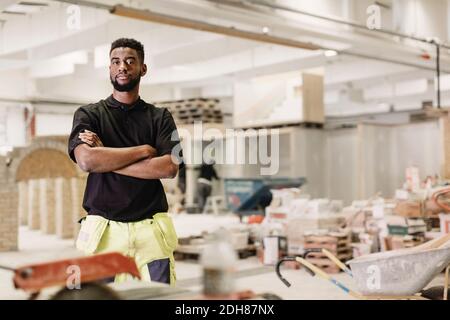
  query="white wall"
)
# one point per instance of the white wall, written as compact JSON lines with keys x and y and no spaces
{"x":373,"y":158}
{"x":53,"y":124}
{"x":351,"y":164}
{"x":342,"y":164}
{"x":12,"y":125}
{"x":376,"y":161}
{"x":416,"y":144}
{"x":15,"y":84}
{"x":308,"y":159}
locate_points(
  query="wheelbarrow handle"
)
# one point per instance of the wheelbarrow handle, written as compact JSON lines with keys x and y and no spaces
{"x":7,"y":268}
{"x":310,"y":268}
{"x":319,"y":272}
{"x":278,"y":266}
{"x":330,"y":256}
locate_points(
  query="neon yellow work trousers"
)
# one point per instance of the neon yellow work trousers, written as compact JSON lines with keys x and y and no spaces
{"x":150,"y":242}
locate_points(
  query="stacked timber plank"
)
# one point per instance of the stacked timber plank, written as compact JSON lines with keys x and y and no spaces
{"x":194,"y":110}
{"x":191,"y":248}
{"x":338,"y":243}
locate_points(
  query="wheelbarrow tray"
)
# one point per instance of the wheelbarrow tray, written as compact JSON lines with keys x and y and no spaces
{"x":398,"y":273}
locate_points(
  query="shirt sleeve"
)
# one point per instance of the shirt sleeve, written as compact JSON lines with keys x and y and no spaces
{"x":168,"y":140}
{"x":81,"y":122}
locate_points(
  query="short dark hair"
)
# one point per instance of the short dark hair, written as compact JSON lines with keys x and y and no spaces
{"x":129,"y":43}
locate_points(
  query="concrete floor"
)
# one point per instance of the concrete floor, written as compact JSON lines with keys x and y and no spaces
{"x":251,"y":275}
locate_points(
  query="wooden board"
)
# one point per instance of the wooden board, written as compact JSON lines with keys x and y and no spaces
{"x":445,"y":134}
{"x":313,"y":98}
{"x":343,"y":256}
{"x":193,"y":110}
{"x":193,"y":252}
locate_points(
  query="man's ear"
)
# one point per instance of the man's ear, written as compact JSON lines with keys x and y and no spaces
{"x":144,"y":70}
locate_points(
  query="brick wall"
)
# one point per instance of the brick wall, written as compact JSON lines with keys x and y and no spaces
{"x":9,"y":223}
{"x":33,"y":204}
{"x":23,"y":202}
{"x":47,"y":205}
{"x":9,"y":220}
{"x":63,"y":208}
{"x":40,"y":187}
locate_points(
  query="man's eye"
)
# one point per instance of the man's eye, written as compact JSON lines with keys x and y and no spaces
{"x":130,"y":61}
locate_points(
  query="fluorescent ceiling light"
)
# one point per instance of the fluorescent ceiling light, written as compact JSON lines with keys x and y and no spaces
{"x":4,"y":150}
{"x":330,"y":53}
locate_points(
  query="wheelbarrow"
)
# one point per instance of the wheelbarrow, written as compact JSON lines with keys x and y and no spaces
{"x":394,"y":275}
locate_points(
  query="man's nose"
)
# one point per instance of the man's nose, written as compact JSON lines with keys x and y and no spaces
{"x":122,"y":67}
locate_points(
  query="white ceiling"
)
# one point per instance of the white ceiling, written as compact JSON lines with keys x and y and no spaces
{"x":55,"y":62}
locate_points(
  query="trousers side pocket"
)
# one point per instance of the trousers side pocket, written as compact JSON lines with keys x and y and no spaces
{"x":91,"y":232}
{"x":165,"y":225}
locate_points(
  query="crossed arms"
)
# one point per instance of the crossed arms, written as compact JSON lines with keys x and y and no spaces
{"x":138,"y":162}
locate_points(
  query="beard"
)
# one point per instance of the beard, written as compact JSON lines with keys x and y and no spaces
{"x":126,"y":87}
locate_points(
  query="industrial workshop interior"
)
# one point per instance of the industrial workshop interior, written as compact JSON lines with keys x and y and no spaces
{"x":224,"y":150}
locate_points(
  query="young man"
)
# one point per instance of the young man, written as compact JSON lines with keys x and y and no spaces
{"x":126,"y":145}
{"x":204,"y":184}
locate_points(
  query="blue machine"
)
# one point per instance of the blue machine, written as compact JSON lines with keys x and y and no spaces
{"x":245,"y":196}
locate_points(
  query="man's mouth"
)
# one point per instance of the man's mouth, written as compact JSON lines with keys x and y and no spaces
{"x":122,"y":77}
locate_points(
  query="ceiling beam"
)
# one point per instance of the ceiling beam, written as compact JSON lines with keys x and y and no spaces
{"x":150,"y":16}
{"x":291,"y":29}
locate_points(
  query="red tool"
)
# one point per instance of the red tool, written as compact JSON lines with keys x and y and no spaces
{"x":34,"y":278}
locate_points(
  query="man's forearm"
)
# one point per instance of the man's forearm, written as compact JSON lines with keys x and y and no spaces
{"x":101,"y":159}
{"x":151,"y":168}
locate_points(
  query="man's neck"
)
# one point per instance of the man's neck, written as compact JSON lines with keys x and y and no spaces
{"x":126,"y":97}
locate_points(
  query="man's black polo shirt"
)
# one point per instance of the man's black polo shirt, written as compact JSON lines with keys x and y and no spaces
{"x":118,"y":197}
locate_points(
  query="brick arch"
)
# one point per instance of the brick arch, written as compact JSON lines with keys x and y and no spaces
{"x":45,"y":163}
{"x":45,"y":158}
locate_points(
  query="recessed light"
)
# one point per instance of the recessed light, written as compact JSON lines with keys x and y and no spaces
{"x":330,"y":53}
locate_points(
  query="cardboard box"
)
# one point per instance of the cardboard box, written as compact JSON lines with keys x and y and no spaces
{"x":409,"y":209}
{"x":402,"y":242}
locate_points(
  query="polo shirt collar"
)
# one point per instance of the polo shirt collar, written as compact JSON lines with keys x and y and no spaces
{"x":113,"y":103}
